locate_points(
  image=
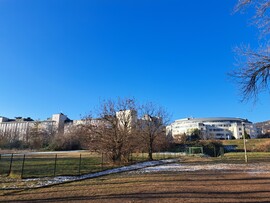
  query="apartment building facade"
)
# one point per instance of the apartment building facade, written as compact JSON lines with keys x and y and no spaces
{"x":214,"y":128}
{"x":20,"y":127}
{"x":210,"y":128}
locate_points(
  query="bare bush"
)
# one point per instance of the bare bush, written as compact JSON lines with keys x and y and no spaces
{"x":38,"y":136}
{"x":10,"y":140}
{"x":180,"y":138}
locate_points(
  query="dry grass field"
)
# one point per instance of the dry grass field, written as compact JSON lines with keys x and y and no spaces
{"x":233,"y":183}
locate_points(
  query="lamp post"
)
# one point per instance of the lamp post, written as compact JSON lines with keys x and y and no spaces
{"x":244,"y":139}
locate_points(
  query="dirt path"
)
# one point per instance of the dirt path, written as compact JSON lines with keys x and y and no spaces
{"x":227,"y":184}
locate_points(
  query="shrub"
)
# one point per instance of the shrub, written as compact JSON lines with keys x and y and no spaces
{"x":266,"y":135}
{"x":65,"y":142}
{"x":210,"y":147}
{"x":180,"y":139}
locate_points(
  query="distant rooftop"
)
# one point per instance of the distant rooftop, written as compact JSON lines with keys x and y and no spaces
{"x":215,"y":119}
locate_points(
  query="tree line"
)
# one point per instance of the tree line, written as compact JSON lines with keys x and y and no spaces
{"x":117,"y":128}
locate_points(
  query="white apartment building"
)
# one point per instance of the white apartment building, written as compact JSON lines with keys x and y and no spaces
{"x":214,"y":128}
{"x":20,"y":127}
{"x":124,"y":117}
{"x":127,"y":117}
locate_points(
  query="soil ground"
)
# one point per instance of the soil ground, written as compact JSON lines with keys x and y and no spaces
{"x":231,"y":184}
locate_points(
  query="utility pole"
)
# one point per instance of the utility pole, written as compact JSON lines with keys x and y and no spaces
{"x":244,"y":139}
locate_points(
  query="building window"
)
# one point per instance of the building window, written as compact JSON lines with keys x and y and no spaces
{"x":218,"y":130}
{"x":240,"y":129}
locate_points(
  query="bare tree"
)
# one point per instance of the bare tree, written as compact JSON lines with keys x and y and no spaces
{"x":151,"y":127}
{"x":254,"y":65}
{"x":38,"y":136}
{"x":113,"y":131}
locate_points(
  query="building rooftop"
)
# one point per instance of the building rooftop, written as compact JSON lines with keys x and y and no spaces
{"x":214,"y":119}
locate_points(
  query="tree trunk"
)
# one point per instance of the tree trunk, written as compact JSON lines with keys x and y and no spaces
{"x":150,"y":150}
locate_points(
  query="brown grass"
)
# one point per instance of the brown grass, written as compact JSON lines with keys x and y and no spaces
{"x":253,"y":145}
{"x":200,"y":186}
{"x":264,"y":147}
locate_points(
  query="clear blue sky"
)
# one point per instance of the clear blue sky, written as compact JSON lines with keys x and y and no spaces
{"x":67,"y":55}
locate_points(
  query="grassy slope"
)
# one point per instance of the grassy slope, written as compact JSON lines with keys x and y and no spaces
{"x":250,"y":143}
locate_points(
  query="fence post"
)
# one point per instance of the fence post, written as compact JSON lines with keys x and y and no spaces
{"x":55,"y":160}
{"x":102,"y":161}
{"x":221,"y":152}
{"x":23,"y":166}
{"x":10,"y":164}
{"x":0,"y":160}
{"x":80,"y":162}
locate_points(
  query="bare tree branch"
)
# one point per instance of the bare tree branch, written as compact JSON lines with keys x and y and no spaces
{"x":252,"y":74}
{"x":261,"y":17}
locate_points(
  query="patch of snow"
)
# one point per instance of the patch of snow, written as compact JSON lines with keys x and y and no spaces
{"x":252,"y":168}
{"x":62,"y":179}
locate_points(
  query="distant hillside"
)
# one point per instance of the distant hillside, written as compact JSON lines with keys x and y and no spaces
{"x":265,"y":125}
